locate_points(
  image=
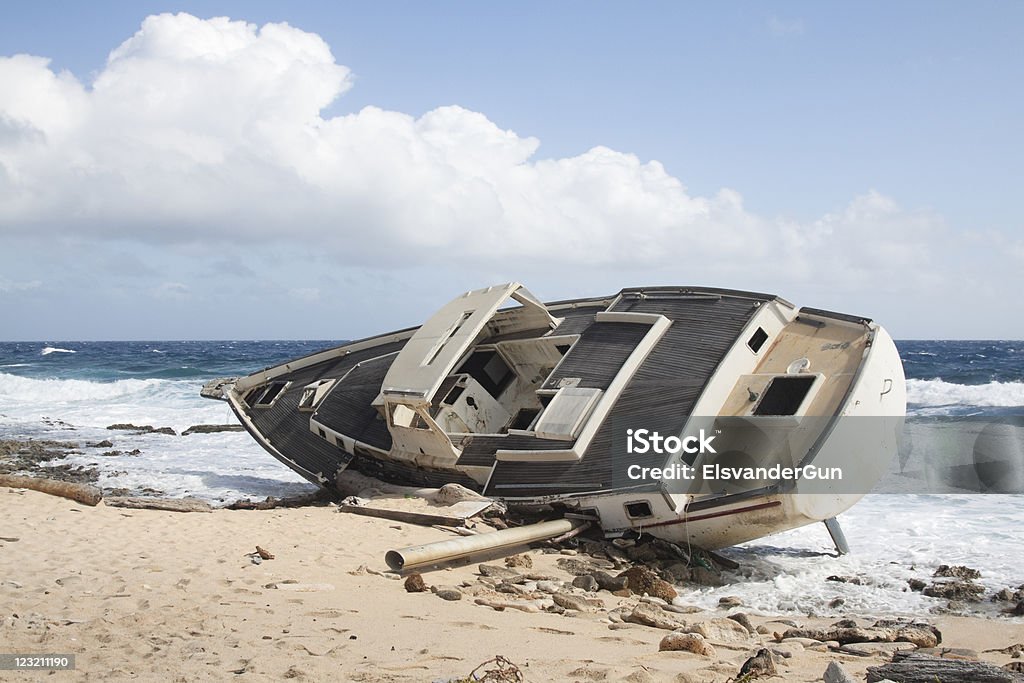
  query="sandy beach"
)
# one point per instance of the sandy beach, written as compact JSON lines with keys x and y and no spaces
{"x":155,"y":595}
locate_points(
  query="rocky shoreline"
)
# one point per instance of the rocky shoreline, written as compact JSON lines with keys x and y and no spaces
{"x":161,"y":593}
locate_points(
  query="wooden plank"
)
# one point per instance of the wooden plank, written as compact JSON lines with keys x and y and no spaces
{"x":403,"y":516}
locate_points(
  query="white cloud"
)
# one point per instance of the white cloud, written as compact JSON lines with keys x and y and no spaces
{"x":206,"y":130}
{"x":10,"y":287}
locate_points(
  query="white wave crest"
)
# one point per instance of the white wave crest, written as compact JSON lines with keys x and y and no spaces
{"x":53,"y":349}
{"x":937,"y":392}
{"x":30,"y":390}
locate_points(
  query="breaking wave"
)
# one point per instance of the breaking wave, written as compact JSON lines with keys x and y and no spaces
{"x":53,"y":349}
{"x":936,"y":392}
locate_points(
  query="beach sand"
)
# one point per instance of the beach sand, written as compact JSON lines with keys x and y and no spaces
{"x":154,"y":595}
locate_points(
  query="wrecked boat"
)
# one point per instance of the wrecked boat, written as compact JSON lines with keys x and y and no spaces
{"x":624,"y":409}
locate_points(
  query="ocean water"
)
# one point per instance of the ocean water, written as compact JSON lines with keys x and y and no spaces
{"x":71,"y":391}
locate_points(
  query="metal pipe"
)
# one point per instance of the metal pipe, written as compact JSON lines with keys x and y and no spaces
{"x":444,"y":551}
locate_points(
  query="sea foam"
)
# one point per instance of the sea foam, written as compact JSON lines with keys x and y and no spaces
{"x":936,"y":392}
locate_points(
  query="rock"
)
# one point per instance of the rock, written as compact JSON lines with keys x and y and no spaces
{"x":835,"y":673}
{"x":576,"y":602}
{"x":647,"y":614}
{"x":679,"y":572}
{"x":873,"y":649}
{"x":575,"y":566}
{"x":721,"y":631}
{"x":913,"y":667}
{"x":836,"y":602}
{"x":744,"y":621}
{"x":501,"y":605}
{"x":951,"y":653}
{"x":686,"y":642}
{"x":1017,"y":611}
{"x":211,"y":429}
{"x":415,"y":583}
{"x":606,"y":581}
{"x":918,"y":636}
{"x":917,"y":585}
{"x":549,"y":586}
{"x":643,"y":553}
{"x":679,"y":606}
{"x":853,"y":580}
{"x":142,"y":429}
{"x":705,"y":577}
{"x":447,"y":593}
{"x":763,"y":630}
{"x":761,"y":664}
{"x":521,"y":560}
{"x":641,"y":580}
{"x":957,"y":572}
{"x":100,"y":444}
{"x":955,"y":590}
{"x":497,"y":572}
{"x":586,"y":582}
{"x":730,"y":601}
{"x":1008,"y":595}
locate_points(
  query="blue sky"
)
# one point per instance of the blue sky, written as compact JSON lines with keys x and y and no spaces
{"x":865,"y":158}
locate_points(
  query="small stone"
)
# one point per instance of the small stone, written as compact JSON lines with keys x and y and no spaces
{"x":744,"y":621}
{"x":569,"y":601}
{"x":549,"y":586}
{"x":917,"y":585}
{"x":521,"y":560}
{"x":447,"y":593}
{"x":836,"y":602}
{"x":497,"y":572}
{"x":647,"y":614}
{"x":686,"y":642}
{"x":835,"y":673}
{"x":721,"y":631}
{"x":415,"y":583}
{"x":574,"y":566}
{"x":567,"y":551}
{"x":730,"y":601}
{"x":586,"y":582}
{"x":606,"y":581}
{"x":761,"y":664}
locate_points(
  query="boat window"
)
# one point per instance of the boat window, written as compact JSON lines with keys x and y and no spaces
{"x":563,"y":348}
{"x":453,"y":395}
{"x":313,"y":393}
{"x":489,"y":369}
{"x":757,"y":340}
{"x":524,"y":418}
{"x":784,"y":395}
{"x":271,"y":393}
{"x":639,"y":509}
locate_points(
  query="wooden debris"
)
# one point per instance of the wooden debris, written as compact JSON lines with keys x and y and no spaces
{"x":81,"y":493}
{"x":910,"y":667}
{"x":166,"y":504}
{"x":264,"y":553}
{"x":404,"y":516}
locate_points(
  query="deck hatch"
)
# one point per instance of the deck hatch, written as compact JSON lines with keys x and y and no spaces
{"x":784,"y":395}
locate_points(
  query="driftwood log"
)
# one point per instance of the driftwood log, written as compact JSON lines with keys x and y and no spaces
{"x":81,"y":493}
{"x":917,"y":668}
{"x":167,"y":504}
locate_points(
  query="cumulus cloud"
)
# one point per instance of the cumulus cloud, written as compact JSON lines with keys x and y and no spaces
{"x":206,"y":130}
